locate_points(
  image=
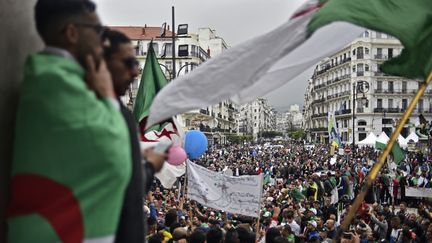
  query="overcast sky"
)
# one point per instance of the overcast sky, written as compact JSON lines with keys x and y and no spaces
{"x":234,"y":20}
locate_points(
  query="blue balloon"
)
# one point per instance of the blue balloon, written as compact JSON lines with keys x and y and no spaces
{"x":196,"y":144}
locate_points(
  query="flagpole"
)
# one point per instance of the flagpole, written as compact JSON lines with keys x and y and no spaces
{"x":383,"y":156}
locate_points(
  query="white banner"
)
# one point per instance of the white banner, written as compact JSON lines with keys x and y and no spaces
{"x":418,"y":192}
{"x":239,"y":195}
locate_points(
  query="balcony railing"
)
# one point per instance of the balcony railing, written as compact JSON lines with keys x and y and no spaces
{"x":388,"y":110}
{"x":319,"y":129}
{"x":329,"y":66}
{"x":360,"y":56}
{"x":395,"y":91}
{"x":381,"y":57}
{"x":343,"y":112}
{"x":380,"y":74}
{"x":360,"y":73}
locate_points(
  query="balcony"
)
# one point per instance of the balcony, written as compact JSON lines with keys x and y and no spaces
{"x":360,"y":73}
{"x":388,"y":110}
{"x":360,"y":110}
{"x":319,"y":129}
{"x":381,"y":57}
{"x":380,"y":74}
{"x":360,"y":56}
{"x":394,"y":91}
{"x":343,"y":112}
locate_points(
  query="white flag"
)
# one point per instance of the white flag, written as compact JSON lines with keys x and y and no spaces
{"x":169,"y":174}
{"x":256,"y":67}
{"x":239,"y":195}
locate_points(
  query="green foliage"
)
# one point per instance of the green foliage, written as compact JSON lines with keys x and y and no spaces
{"x":270,"y":134}
{"x":297,"y":134}
{"x":236,"y":139}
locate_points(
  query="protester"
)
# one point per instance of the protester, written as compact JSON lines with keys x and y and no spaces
{"x":123,"y":66}
{"x":298,"y":197}
{"x":72,"y":156}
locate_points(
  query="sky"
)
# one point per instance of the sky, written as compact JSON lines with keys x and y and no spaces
{"x":234,"y":20}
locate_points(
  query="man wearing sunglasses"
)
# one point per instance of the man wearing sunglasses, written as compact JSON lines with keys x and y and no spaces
{"x":121,"y":62}
{"x":71,"y":160}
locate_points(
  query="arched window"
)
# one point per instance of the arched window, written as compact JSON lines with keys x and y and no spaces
{"x":366,"y":34}
{"x":366,"y":67}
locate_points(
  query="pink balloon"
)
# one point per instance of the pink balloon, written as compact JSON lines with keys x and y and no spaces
{"x":176,"y":155}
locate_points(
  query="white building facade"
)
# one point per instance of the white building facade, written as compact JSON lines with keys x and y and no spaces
{"x":256,"y":117}
{"x":378,"y":106}
{"x":216,"y":121}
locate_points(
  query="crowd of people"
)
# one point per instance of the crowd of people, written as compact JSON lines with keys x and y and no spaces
{"x":306,"y":195}
{"x":77,"y":163}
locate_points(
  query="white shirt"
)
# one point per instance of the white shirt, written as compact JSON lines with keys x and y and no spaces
{"x":294,"y":227}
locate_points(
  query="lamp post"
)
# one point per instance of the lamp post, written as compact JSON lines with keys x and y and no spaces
{"x":358,"y":87}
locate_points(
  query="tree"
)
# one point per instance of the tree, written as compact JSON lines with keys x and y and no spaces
{"x":270,"y":134}
{"x":236,"y":139}
{"x":297,"y":134}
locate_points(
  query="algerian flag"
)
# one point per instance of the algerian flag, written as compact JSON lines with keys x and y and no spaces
{"x":152,"y":81}
{"x":255,"y":67}
{"x":409,"y":21}
{"x":397,"y":152}
{"x":265,"y":63}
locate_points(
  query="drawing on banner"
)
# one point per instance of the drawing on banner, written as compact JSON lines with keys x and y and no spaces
{"x":418,"y":192}
{"x":239,"y":195}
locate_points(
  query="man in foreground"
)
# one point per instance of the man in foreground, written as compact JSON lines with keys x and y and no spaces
{"x":71,"y":160}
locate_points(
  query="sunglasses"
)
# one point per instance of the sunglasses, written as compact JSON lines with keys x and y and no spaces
{"x":99,"y":29}
{"x":131,"y":62}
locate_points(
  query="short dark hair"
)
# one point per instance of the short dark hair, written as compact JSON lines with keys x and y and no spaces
{"x":49,"y":13}
{"x":115,"y":39}
{"x":170,"y":217}
{"x":198,"y":236}
{"x":214,"y":235}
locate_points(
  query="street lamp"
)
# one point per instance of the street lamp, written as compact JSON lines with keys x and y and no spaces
{"x":359,"y":87}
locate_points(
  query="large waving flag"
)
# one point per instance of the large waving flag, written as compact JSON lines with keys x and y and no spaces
{"x":269,"y":61}
{"x":256,"y":67}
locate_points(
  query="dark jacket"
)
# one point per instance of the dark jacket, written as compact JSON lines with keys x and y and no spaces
{"x":131,"y":226}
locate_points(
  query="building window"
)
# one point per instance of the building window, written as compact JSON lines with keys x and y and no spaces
{"x":420,"y":106}
{"x":366,"y":51}
{"x":155,"y":48}
{"x":404,"y":87}
{"x":390,"y":86}
{"x":379,"y":86}
{"x":404,"y":104}
{"x":362,"y":123}
{"x":366,"y":34}
{"x":379,"y":103}
{"x":390,"y":103}
{"x":390,"y":53}
{"x":366,"y":68}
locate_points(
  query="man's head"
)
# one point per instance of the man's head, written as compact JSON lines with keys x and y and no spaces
{"x":403,"y":206}
{"x":72,"y":25}
{"x":330,"y":224}
{"x":121,"y":61}
{"x":395,"y":222}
